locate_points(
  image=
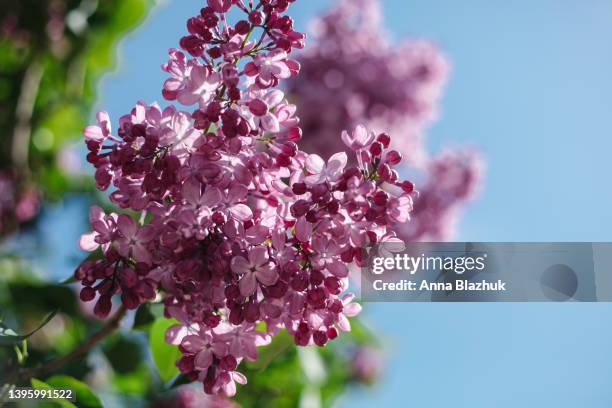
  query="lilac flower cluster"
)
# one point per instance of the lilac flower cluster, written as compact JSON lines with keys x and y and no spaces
{"x":241,"y":232}
{"x":361,"y":77}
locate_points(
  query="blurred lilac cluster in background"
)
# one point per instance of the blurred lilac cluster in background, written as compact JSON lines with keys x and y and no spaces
{"x":351,"y":73}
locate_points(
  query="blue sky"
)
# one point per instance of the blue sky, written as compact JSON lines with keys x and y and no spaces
{"x":531,"y":89}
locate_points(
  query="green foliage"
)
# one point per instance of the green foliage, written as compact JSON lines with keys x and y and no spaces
{"x":164,"y":354}
{"x":146,"y":314}
{"x":123,"y":353}
{"x":41,"y":385}
{"x":85,"y":397}
{"x":280,"y":376}
{"x":54,"y":76}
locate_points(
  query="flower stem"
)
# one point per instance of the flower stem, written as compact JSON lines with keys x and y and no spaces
{"x":84,"y":348}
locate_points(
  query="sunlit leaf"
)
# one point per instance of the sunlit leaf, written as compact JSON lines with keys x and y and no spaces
{"x":164,"y":354}
{"x":41,"y":385}
{"x":85,"y":398}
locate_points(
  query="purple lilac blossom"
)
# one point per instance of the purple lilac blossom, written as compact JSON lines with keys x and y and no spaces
{"x":240,"y":232}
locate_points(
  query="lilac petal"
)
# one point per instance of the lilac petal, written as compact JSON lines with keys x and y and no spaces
{"x":279,"y":238}
{"x":187,"y":98}
{"x":146,"y":233}
{"x":229,"y":388}
{"x":95,"y":213}
{"x":271,"y":310}
{"x":187,"y":217}
{"x":348,"y":140}
{"x":193,"y":343}
{"x":127,"y":226}
{"x":103,"y":119}
{"x":140,"y":112}
{"x":258,"y":107}
{"x":262,"y":339}
{"x":172,"y":84}
{"x":203,"y":359}
{"x":267,"y":274}
{"x":199,"y":74}
{"x":122,"y":247}
{"x":247,"y":284}
{"x":175,"y":334}
{"x":237,"y":193}
{"x":236,"y":348}
{"x":93,"y":133}
{"x":336,"y":164}
{"x":240,"y":265}
{"x":319,"y":243}
{"x":241,"y":212}
{"x":191,"y":191}
{"x":141,"y":253}
{"x":352,"y":309}
{"x":303,"y":229}
{"x":362,"y":136}
{"x":274,"y":97}
{"x":277,"y":55}
{"x":343,"y":323}
{"x":270,"y":123}
{"x":212,"y":196}
{"x":249,"y":349}
{"x":257,"y":234}
{"x":251,"y":69}
{"x":219,"y":348}
{"x":338,"y":269}
{"x":314,"y":179}
{"x":233,"y":229}
{"x":281,"y":70}
{"x":258,"y":256}
{"x":239,"y":377}
{"x":87,"y":241}
{"x":314,"y":164}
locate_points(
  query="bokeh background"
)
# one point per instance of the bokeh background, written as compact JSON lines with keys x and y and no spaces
{"x":530,"y":88}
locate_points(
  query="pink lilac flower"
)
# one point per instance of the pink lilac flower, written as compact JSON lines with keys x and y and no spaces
{"x":257,"y":268}
{"x":237,"y":226}
{"x":270,"y":67}
{"x":134,"y":239}
{"x":200,"y":86}
{"x":319,"y":171}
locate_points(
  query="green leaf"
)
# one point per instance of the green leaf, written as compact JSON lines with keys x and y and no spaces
{"x":85,"y":398}
{"x":164,"y":354}
{"x":179,"y":380}
{"x":146,"y":314}
{"x":68,"y":280}
{"x":8,"y":337}
{"x":41,"y":385}
{"x":123,"y":353}
{"x":280,"y":342}
{"x":136,"y":383}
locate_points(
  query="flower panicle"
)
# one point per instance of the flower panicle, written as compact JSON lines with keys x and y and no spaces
{"x":240,"y":232}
